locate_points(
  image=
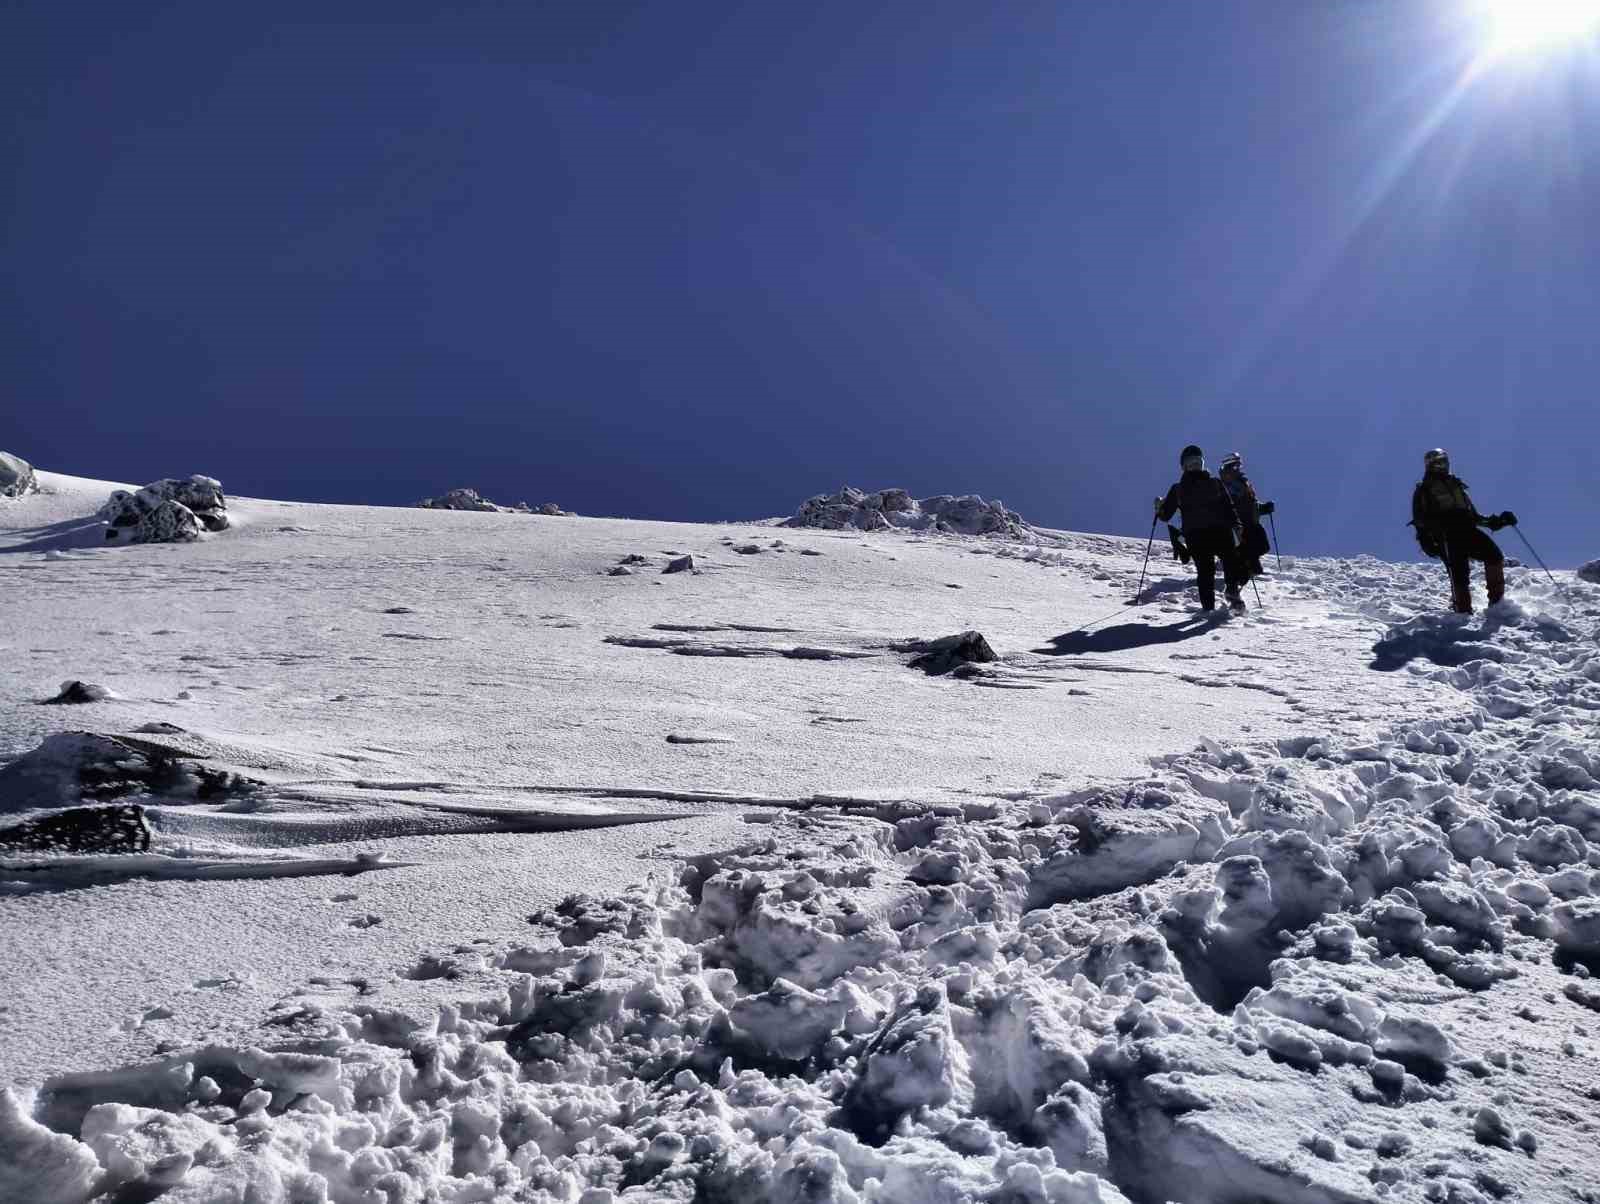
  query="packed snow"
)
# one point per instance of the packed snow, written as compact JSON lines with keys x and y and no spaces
{"x":416,"y":855}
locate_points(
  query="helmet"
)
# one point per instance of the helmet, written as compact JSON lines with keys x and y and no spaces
{"x":1191,"y":457}
{"x":1233,"y":461}
{"x":1437,"y":459}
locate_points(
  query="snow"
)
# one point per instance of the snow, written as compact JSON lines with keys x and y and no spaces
{"x":479,"y":873}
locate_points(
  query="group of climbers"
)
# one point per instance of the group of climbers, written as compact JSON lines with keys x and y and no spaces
{"x":1221,"y":526}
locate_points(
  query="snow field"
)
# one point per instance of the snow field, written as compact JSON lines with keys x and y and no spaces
{"x":1347,"y":957}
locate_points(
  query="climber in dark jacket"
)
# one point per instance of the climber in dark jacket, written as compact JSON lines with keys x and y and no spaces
{"x":1447,"y":527}
{"x":1210,"y":523}
{"x":1254,"y":540}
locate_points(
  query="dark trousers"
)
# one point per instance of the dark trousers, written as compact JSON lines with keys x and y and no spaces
{"x":1463,"y":545}
{"x":1211,"y":546}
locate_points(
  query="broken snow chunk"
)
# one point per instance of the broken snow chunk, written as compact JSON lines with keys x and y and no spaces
{"x":1578,"y":928}
{"x":787,"y":1021}
{"x":1490,"y":1128}
{"x":1553,"y":846}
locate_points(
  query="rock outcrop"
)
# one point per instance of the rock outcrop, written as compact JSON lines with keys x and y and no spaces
{"x":16,"y":476}
{"x":471,"y":499}
{"x":967,"y":514}
{"x":1590,"y":571}
{"x":166,"y":511}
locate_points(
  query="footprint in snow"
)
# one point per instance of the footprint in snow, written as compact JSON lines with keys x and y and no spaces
{"x":699,"y":738}
{"x":399,"y":610}
{"x":412,"y":635}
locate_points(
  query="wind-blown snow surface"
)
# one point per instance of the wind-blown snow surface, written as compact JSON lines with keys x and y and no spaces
{"x":853,"y":932}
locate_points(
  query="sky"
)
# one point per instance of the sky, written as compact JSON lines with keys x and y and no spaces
{"x":701,"y":261}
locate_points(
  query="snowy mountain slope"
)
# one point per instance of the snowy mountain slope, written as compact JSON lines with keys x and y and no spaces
{"x":906,"y":937}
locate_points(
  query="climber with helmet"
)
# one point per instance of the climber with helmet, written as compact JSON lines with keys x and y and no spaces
{"x":1250,"y":511}
{"x":1210,"y":527}
{"x":1447,"y":528}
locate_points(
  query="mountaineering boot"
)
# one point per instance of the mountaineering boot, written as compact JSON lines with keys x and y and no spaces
{"x":1494,"y":576}
{"x":1235,"y":601}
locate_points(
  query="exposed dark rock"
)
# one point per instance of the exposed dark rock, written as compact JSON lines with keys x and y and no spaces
{"x":1590,"y":571}
{"x":948,"y":652}
{"x":680,"y":564}
{"x":76,"y":692}
{"x":116,"y":829}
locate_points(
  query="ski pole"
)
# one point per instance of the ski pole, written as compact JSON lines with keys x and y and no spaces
{"x":1272,"y":517}
{"x":1147,"y":547}
{"x":1542,"y":564}
{"x":1257,"y":588}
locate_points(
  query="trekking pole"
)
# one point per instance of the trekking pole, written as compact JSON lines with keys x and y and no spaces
{"x":1257,"y":588}
{"x":1542,"y":564}
{"x":1276,"y":550}
{"x":1147,"y":547}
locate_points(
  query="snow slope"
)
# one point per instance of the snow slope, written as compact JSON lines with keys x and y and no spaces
{"x":1295,"y":907}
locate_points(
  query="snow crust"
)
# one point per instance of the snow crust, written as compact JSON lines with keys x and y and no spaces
{"x":1340,"y":947}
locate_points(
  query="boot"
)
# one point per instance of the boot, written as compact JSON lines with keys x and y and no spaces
{"x":1494,"y":576}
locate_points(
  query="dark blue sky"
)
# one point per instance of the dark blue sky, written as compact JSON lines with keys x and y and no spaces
{"x":701,"y":260}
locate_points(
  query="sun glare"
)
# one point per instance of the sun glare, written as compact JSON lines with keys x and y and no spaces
{"x":1520,"y":26}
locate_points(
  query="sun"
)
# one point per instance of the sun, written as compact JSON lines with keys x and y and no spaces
{"x":1520,"y":26}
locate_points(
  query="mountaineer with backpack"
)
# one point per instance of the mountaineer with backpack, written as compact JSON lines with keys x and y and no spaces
{"x":1254,"y":540}
{"x":1447,"y":528}
{"x":1210,"y":524}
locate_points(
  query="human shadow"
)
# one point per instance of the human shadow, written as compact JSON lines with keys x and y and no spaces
{"x":1126,"y":636}
{"x":87,"y":531}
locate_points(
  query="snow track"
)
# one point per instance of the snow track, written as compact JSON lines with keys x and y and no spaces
{"x":1350,"y":958}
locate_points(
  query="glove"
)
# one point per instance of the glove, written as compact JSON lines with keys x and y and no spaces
{"x":1507,"y":519}
{"x":1266,"y":508}
{"x":1158,"y":505}
{"x":1495,"y":521}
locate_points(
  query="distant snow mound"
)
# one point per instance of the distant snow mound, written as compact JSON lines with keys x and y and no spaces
{"x":1590,"y":571}
{"x":166,"y":511}
{"x":16,"y":476}
{"x":471,"y":499}
{"x":967,"y":514}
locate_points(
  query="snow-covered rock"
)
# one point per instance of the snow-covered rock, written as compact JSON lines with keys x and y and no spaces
{"x":471,"y":499}
{"x":70,"y":768}
{"x":166,"y":511}
{"x":967,"y":514}
{"x":16,"y":476}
